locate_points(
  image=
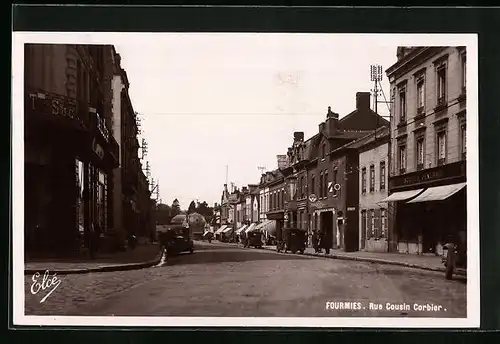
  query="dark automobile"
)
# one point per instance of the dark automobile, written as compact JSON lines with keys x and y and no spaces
{"x":254,"y":239}
{"x":176,"y":237}
{"x":294,"y":241}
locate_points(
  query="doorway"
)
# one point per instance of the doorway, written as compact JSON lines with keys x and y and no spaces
{"x":326,"y":222}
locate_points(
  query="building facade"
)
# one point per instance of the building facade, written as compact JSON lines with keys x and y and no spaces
{"x":373,"y":189}
{"x":428,"y":148}
{"x":70,"y":148}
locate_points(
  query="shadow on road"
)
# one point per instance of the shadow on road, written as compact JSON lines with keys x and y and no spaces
{"x":207,"y":254}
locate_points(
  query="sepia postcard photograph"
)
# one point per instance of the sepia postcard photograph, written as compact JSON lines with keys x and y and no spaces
{"x":245,"y":180}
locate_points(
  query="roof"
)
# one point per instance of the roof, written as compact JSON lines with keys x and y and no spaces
{"x":364,"y":140}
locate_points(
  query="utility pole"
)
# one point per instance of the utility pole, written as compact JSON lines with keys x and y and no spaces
{"x":376,"y":77}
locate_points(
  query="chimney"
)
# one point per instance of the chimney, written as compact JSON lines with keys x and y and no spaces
{"x":322,"y":126}
{"x":363,"y":101}
{"x":282,"y":161}
{"x":298,"y":136}
{"x":332,"y":120}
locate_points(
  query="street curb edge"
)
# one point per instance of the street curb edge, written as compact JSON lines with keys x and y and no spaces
{"x":106,"y":268}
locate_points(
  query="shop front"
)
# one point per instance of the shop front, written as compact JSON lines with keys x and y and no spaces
{"x":430,"y":208}
{"x":66,"y":169}
{"x":275,"y":223}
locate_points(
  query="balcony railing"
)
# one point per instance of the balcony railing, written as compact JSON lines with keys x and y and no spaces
{"x":441,"y":104}
{"x":462,"y":96}
{"x":441,"y":161}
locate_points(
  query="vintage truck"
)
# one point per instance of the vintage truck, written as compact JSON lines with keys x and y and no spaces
{"x":178,"y":235}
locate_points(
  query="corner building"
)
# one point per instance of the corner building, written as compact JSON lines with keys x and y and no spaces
{"x":427,"y":181}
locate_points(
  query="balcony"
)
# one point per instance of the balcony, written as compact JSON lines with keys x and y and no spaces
{"x":441,"y":104}
{"x":420,"y":113}
{"x":420,"y":166}
{"x":441,"y":162}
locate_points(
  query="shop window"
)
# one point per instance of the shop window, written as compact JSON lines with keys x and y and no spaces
{"x":420,"y":153}
{"x":402,"y":158}
{"x":382,"y":175}
{"x":372,"y":178}
{"x":441,"y":148}
{"x":363,"y":180}
{"x":102,"y":201}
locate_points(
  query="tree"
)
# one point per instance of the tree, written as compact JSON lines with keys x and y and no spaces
{"x":163,"y":214}
{"x":176,"y":208}
{"x":206,"y":211}
{"x":192,"y":207}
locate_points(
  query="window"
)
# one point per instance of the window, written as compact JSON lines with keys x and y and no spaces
{"x":324,"y":150}
{"x":420,"y":95}
{"x":325,"y":187}
{"x":441,"y":86}
{"x":463,"y":140}
{"x":304,"y":186}
{"x":383,"y":222}
{"x":101,"y":201}
{"x":441,"y":148}
{"x":363,"y":223}
{"x":402,"y":159}
{"x":382,"y":175}
{"x":334,"y":176}
{"x":321,"y":181}
{"x":363,"y":180}
{"x":420,"y":153}
{"x":299,"y":188}
{"x":402,"y":104}
{"x":313,"y":184}
{"x":372,"y":217}
{"x":372,"y":178}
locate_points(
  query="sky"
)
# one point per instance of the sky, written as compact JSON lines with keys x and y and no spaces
{"x":208,"y":101}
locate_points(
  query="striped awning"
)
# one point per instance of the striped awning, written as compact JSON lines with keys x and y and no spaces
{"x":220,"y":230}
{"x":251,"y":228}
{"x":438,"y":193}
{"x":227,"y":230}
{"x":241,"y":229}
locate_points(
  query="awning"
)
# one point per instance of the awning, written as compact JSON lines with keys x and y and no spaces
{"x":250,"y":228}
{"x":220,"y":229}
{"x":269,"y":227}
{"x":401,"y":196}
{"x":242,"y":228}
{"x":438,"y":193}
{"x":227,"y":230}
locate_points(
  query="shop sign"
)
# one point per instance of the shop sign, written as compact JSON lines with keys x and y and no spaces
{"x":429,"y":175}
{"x":313,"y":198}
{"x":351,"y":208}
{"x":56,"y":105}
{"x":98,"y":150}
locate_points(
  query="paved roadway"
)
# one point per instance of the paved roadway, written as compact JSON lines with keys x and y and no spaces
{"x":224,"y":280}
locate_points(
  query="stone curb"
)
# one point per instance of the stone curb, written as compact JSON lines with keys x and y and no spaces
{"x":377,"y":261}
{"x":104,"y":268}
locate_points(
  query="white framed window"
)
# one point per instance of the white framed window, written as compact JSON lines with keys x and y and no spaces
{"x":463,"y":140}
{"x":441,"y":147}
{"x":402,"y":104}
{"x":420,"y":152}
{"x":382,"y":175}
{"x":372,"y":217}
{"x":420,"y":95}
{"x":402,"y":158}
{"x":383,"y":222}
{"x":363,"y":180}
{"x":441,"y":85}
{"x":463,"y":66}
{"x":372,"y":178}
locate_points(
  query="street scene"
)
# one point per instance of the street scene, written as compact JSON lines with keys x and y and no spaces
{"x":269,"y":176}
{"x":231,"y":281}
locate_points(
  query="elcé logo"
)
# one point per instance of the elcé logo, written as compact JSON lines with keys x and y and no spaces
{"x":46,"y":283}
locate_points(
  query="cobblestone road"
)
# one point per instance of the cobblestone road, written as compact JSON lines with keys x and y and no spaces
{"x":220,"y":280}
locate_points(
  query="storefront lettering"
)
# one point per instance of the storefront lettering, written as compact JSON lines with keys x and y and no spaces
{"x":447,"y":171}
{"x":60,"y":109}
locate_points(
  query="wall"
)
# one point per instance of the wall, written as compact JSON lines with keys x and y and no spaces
{"x":454,"y":89}
{"x":370,"y":200}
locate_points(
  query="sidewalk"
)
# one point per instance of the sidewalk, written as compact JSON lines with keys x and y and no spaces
{"x":141,"y":257}
{"x":423,"y":262}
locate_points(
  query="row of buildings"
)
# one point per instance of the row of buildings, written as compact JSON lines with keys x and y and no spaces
{"x":83,"y":174}
{"x":373,"y":184}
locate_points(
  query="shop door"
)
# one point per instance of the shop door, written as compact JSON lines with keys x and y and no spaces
{"x":326,"y":222}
